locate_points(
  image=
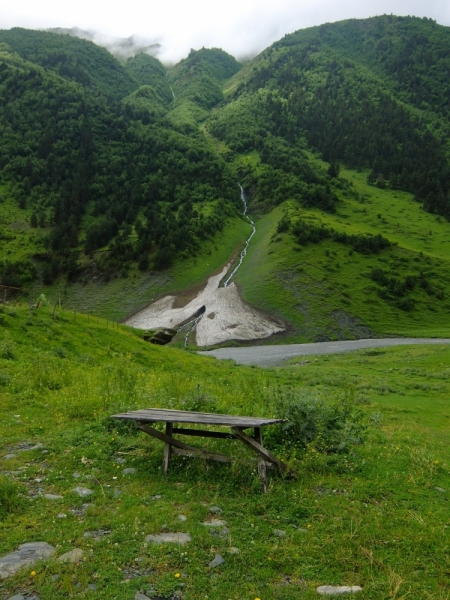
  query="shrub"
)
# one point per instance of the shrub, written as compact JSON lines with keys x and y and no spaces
{"x":10,"y":499}
{"x":332,"y":427}
{"x":7,"y":347}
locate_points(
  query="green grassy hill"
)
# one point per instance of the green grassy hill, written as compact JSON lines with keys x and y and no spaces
{"x":327,"y":289}
{"x":373,"y":486}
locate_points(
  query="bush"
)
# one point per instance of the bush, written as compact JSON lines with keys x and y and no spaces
{"x":331,"y":427}
{"x":7,"y":347}
{"x":10,"y":500}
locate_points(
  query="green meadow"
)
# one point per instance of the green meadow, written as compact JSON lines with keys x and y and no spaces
{"x":325,"y":290}
{"x":372,"y":511}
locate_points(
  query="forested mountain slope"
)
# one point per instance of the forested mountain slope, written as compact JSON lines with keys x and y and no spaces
{"x":99,"y":167}
{"x":371,"y":93}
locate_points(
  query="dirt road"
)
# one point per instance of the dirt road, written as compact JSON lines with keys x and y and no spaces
{"x":270,"y":356}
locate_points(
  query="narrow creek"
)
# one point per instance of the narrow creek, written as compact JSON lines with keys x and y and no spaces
{"x":233,"y":272}
{"x":247,"y":243}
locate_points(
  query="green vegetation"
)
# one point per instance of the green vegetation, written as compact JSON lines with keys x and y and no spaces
{"x":378,"y":507}
{"x":298,"y":268}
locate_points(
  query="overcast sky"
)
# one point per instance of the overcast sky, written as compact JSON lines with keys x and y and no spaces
{"x":241,"y":27}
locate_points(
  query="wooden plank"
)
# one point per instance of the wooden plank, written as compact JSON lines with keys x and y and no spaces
{"x":180,"y":416}
{"x":203,"y":454}
{"x":167,"y":449}
{"x":253,"y":444}
{"x":204,"y":433}
{"x":177,"y":443}
{"x":261,"y":462}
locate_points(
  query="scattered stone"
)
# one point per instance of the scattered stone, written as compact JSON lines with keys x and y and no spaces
{"x":182,"y":518}
{"x":17,"y":597}
{"x":129,"y":471}
{"x":26,"y":555}
{"x":76,"y":475}
{"x":215,"y":510}
{"x":233,"y":550}
{"x":120,"y":461}
{"x":79,"y":512}
{"x":221,"y":533}
{"x":96,"y":535}
{"x":216,"y":561}
{"x":74,"y":556}
{"x":279,"y":532}
{"x":439,"y":489}
{"x":336,"y":590}
{"x":9,"y":456}
{"x":117,"y":493}
{"x":61,"y":516}
{"x":53,"y":497}
{"x":82,"y":491}
{"x":163,"y":538}
{"x":92,"y":586}
{"x":157,"y":497}
{"x":139,"y":596}
{"x":214,"y":523}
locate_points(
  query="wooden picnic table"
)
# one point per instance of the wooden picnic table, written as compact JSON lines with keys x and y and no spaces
{"x":237,"y":426}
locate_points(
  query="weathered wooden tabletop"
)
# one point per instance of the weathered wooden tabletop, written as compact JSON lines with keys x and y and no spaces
{"x":200,"y":418}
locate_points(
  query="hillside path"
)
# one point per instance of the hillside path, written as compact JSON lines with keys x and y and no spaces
{"x":272,"y":356}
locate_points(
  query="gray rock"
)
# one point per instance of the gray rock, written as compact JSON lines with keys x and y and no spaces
{"x":337,"y":590}
{"x":76,"y":475}
{"x":233,"y":550}
{"x":26,"y":555}
{"x":74,"y":556}
{"x":182,"y":518}
{"x":279,"y":532}
{"x":82,"y":491}
{"x":92,"y":586}
{"x":214,"y":523}
{"x":139,"y":596}
{"x":216,"y":561}
{"x":439,"y":489}
{"x":120,"y":461}
{"x":129,"y":471}
{"x":221,"y":532}
{"x":157,"y":497}
{"x":17,"y":597}
{"x":53,"y":497}
{"x":61,"y":516}
{"x":167,"y":538}
{"x":9,"y":456}
{"x":215,"y":510}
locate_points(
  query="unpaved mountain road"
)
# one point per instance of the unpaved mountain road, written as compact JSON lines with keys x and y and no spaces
{"x":272,"y":356}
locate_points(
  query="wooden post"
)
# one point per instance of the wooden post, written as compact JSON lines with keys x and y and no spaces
{"x":167,"y":449}
{"x":53,"y":313}
{"x":261,"y":462}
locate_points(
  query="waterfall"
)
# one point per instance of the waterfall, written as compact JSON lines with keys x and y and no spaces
{"x":244,"y":251}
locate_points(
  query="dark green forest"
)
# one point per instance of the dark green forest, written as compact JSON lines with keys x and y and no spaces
{"x":363,"y":93}
{"x":91,"y":151}
{"x":112,"y":162}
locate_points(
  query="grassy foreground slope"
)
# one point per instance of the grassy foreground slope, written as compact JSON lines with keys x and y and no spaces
{"x":375,"y":516}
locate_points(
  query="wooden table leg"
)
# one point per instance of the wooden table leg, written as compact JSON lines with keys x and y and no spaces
{"x":261,"y":462}
{"x":167,"y":449}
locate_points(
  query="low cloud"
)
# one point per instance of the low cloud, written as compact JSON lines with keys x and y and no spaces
{"x":242,"y":28}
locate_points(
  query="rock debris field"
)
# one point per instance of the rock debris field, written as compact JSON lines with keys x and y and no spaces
{"x":226,"y":317}
{"x":31,"y":553}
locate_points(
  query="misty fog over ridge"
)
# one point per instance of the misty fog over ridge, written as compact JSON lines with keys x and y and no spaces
{"x":122,"y":48}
